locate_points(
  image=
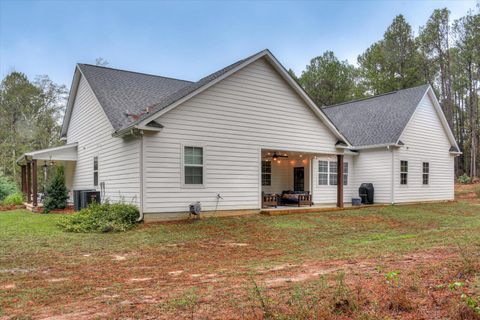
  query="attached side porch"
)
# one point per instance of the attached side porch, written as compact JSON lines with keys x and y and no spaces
{"x":37,"y":166}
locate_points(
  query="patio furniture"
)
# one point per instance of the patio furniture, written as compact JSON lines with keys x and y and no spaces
{"x":269,"y":200}
{"x":296,"y":197}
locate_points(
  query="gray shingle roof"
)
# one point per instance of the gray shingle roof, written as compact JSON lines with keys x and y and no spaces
{"x":183,"y":92}
{"x":120,"y":92}
{"x":124,"y":92}
{"x":377,"y":120}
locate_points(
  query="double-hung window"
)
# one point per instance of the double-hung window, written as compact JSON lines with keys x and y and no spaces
{"x":95,"y":171}
{"x":403,"y":172}
{"x":345,"y":173}
{"x":193,"y":165}
{"x":333,"y":173}
{"x":323,"y":173}
{"x":266,"y":173}
{"x":327,"y":173}
{"x":425,"y":173}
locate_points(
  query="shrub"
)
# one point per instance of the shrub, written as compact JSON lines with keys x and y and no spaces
{"x":104,"y":217}
{"x":56,"y":194}
{"x":7,"y":187}
{"x":13,"y":199}
{"x":464,"y":179}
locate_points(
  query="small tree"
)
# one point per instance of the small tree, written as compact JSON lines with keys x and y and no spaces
{"x":56,"y":193}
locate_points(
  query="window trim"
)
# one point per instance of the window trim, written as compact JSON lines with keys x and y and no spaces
{"x":329,"y":174}
{"x":95,"y":171}
{"x":183,"y":185}
{"x":266,"y":173}
{"x":403,"y":172}
{"x":322,"y":172}
{"x":425,"y":173}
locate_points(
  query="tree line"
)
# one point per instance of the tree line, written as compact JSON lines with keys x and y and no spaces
{"x":444,"y":54}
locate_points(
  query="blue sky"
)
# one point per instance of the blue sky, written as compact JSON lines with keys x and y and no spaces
{"x":189,"y":40}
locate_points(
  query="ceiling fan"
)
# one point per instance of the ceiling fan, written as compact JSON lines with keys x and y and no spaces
{"x":275,"y":156}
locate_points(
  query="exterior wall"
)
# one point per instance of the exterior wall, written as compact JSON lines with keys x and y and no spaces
{"x":233,"y":120}
{"x":327,"y":194}
{"x":425,"y":140}
{"x":374,"y":166}
{"x":119,"y":159}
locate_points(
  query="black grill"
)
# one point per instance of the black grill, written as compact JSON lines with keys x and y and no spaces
{"x":366,"y":193}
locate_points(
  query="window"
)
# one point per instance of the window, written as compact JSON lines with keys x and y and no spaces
{"x":333,"y":173}
{"x":403,"y":172}
{"x":323,"y":173}
{"x":266,"y":173}
{"x":95,"y":171}
{"x":345,"y":173}
{"x":426,"y":172}
{"x":327,"y":173}
{"x":193,"y":165}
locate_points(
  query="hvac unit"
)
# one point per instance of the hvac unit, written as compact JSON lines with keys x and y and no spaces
{"x":77,"y":202}
{"x":87,"y":197}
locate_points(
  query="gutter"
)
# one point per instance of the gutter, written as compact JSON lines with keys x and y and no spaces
{"x":373,"y":146}
{"x":140,"y":218}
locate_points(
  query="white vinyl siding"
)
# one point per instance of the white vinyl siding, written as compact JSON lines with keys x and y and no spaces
{"x":374,"y":166}
{"x":118,"y":159}
{"x":425,"y":140}
{"x":327,"y":194}
{"x":251,"y":110}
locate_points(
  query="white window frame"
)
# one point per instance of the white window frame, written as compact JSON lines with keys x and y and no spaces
{"x":323,"y":173}
{"x":329,"y":174}
{"x":403,"y":172}
{"x":203,"y":165}
{"x":427,"y":174}
{"x":332,"y":174}
{"x":95,"y":171}
{"x":346,"y":170}
{"x":267,"y":173}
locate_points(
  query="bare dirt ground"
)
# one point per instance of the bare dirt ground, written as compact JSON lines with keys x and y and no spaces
{"x":385,"y":266}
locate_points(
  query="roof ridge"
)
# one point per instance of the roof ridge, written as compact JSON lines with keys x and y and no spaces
{"x":136,"y":72}
{"x":375,"y":96}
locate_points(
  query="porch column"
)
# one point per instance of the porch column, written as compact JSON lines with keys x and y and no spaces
{"x":34,"y":182}
{"x":340,"y":180}
{"x":24,"y":179}
{"x":29,"y":183}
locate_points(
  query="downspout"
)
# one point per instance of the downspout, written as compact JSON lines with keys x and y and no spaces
{"x":140,"y":218}
{"x":392,"y":191}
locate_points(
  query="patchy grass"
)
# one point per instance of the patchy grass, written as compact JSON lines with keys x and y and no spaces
{"x":335,"y":261}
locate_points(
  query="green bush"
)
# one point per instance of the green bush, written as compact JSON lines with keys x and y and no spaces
{"x":56,"y":194}
{"x":106,"y":217}
{"x":13,"y":199}
{"x":464,"y":178}
{"x":7,"y":187}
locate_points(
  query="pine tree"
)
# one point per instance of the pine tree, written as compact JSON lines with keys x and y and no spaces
{"x":56,"y":193}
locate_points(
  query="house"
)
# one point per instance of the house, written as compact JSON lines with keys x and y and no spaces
{"x":240,"y":135}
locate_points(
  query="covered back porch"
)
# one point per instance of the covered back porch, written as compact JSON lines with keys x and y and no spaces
{"x":288,"y":178}
{"x":38,"y":163}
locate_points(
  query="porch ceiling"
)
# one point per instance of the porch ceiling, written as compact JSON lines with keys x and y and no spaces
{"x":67,"y":152}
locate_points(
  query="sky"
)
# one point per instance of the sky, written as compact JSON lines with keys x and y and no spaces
{"x":191,"y":39}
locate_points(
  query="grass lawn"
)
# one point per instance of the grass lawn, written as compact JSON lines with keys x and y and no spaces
{"x":374,"y":263}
